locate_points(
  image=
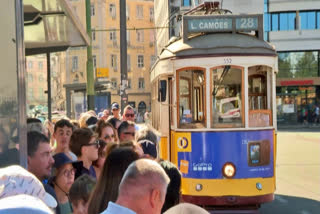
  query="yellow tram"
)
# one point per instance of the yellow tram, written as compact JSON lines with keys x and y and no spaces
{"x":213,"y":100}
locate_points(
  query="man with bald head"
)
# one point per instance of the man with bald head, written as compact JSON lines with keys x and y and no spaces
{"x":142,"y":189}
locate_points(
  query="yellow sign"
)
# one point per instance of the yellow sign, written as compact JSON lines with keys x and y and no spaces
{"x":183,"y":142}
{"x":102,"y":72}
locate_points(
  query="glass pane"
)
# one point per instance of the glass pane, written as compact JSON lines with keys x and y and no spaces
{"x":267,"y":20}
{"x":298,"y":64}
{"x":227,"y":97}
{"x":191,"y":99}
{"x":308,"y":20}
{"x":275,"y":22}
{"x":318,"y":20}
{"x":287,"y":21}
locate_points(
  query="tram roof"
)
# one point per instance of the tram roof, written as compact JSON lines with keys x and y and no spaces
{"x":218,"y":44}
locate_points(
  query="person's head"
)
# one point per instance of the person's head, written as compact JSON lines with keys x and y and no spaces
{"x":91,"y":121}
{"x":106,"y":131}
{"x":75,"y":123}
{"x":101,"y":154}
{"x":107,"y":187}
{"x":128,"y":114}
{"x":40,"y":160}
{"x":15,"y":180}
{"x":62,"y":133}
{"x":83,"y":144}
{"x":34,"y":124}
{"x":115,"y":110}
{"x":105,"y":114}
{"x":63,"y":172}
{"x":83,"y":119}
{"x":174,"y":187}
{"x":4,"y":140}
{"x":126,"y":131}
{"x":186,"y":208}
{"x":80,"y":192}
{"x":143,"y":187}
{"x":148,"y":138}
{"x":115,"y":122}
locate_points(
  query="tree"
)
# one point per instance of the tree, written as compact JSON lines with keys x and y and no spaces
{"x":285,"y":69}
{"x":307,"y":66}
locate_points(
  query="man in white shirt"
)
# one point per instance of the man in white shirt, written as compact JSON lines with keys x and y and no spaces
{"x":142,"y":189}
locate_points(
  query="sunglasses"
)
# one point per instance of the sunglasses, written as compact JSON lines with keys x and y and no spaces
{"x":68,"y":173}
{"x":109,"y":136}
{"x":96,"y":144}
{"x":129,"y":115}
{"x":129,"y":133}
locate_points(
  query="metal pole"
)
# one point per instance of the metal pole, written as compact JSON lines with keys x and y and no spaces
{"x":49,"y":85}
{"x":123,"y":54}
{"x":21,"y":74}
{"x":90,"y":80}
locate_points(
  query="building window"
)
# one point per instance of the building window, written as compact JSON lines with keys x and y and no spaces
{"x":129,"y":83}
{"x":94,"y":61}
{"x":114,"y":83}
{"x":93,"y":12}
{"x":140,"y":61}
{"x":41,"y":78}
{"x":74,"y":62}
{"x":151,"y":13}
{"x":128,"y":63}
{"x":275,"y":22}
{"x":40,"y":64}
{"x":30,"y":65}
{"x":140,"y":35}
{"x":308,"y":20}
{"x":30,"y":77}
{"x":186,"y":3}
{"x":93,"y":35}
{"x":287,"y":21}
{"x":30,"y":92}
{"x":114,"y":61}
{"x":139,"y":12}
{"x":141,"y":83}
{"x":112,"y":11}
{"x":128,"y":37}
{"x":318,"y":20}
{"x":113,"y":36}
{"x":127,"y":12}
{"x":298,"y":64}
{"x":152,"y":60}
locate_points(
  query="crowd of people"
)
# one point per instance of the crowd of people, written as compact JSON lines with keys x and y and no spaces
{"x":99,"y":164}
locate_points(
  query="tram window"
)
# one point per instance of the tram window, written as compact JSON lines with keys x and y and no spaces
{"x":227,"y":110}
{"x":191,"y":99}
{"x":162,"y":92}
{"x":259,"y":102}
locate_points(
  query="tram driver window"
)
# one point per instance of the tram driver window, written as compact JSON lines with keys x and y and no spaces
{"x":227,"y":109}
{"x":191,"y":96}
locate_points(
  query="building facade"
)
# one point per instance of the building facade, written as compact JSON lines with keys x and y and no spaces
{"x":292,"y":26}
{"x":105,"y":23}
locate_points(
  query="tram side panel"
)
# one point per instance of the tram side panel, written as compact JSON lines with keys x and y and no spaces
{"x":200,"y":156}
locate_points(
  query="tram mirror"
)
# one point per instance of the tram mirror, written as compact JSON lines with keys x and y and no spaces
{"x":162,"y":91}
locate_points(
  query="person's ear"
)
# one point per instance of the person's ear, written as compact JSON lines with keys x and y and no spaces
{"x":155,"y":197}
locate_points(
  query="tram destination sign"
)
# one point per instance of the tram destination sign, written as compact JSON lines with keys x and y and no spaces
{"x":222,"y":23}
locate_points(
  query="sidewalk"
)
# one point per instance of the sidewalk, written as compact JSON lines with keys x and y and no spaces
{"x":299,"y":127}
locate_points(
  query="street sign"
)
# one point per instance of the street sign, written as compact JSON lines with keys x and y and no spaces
{"x":102,"y":72}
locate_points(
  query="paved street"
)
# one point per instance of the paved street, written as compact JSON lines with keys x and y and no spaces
{"x":298,"y":174}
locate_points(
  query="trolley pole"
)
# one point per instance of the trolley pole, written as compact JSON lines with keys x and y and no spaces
{"x":123,"y":55}
{"x":90,"y":79}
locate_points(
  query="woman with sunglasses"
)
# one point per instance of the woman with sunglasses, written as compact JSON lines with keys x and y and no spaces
{"x":84,"y":144}
{"x":106,"y":135}
{"x":63,"y":178}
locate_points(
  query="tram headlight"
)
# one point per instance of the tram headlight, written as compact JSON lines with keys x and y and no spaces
{"x":229,"y":170}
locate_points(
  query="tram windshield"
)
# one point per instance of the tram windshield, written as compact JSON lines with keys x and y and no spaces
{"x":191,"y":94}
{"x":227,"y":101}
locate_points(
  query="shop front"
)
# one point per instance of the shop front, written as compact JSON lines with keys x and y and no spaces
{"x":297,"y":100}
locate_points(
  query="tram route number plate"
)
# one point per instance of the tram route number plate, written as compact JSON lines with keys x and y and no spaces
{"x":247,"y":23}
